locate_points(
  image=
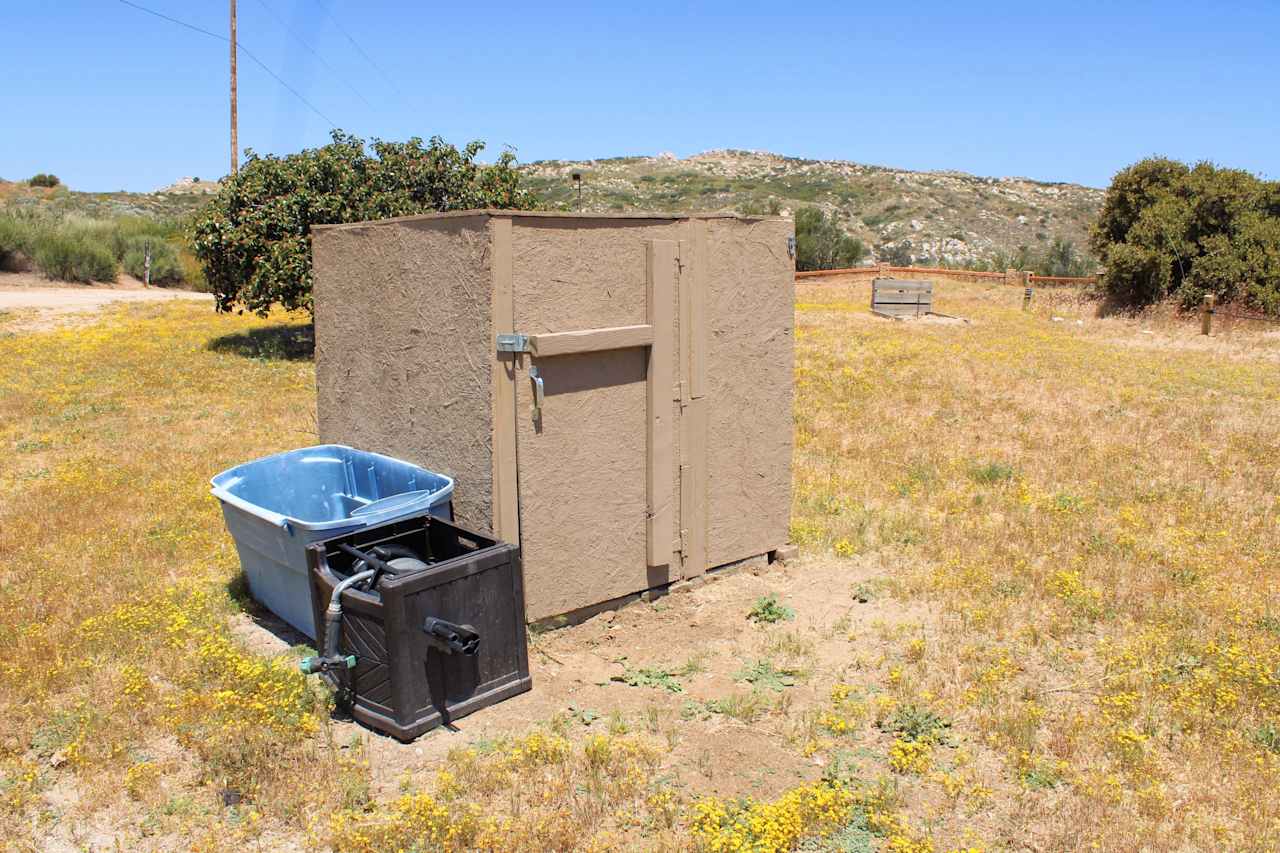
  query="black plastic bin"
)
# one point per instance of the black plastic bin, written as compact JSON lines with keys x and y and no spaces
{"x":403,"y":683}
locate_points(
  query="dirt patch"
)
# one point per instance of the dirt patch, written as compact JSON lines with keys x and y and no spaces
{"x":724,"y":735}
{"x":33,"y":302}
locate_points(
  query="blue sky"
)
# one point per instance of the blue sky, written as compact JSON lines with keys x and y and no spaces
{"x":108,"y":97}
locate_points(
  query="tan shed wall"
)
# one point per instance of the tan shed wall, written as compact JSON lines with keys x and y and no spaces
{"x":750,"y":313}
{"x":404,"y":347}
{"x":406,"y":365}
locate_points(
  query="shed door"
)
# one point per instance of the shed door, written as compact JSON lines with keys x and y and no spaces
{"x":595,"y":412}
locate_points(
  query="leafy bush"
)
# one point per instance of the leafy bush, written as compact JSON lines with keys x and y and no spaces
{"x":165,"y":268}
{"x":821,"y":244}
{"x":71,"y":255}
{"x":254,"y":238}
{"x":1171,"y":230}
{"x":43,"y":180}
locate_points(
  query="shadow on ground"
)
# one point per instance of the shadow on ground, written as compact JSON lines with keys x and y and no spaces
{"x":276,"y":635}
{"x":295,"y":342}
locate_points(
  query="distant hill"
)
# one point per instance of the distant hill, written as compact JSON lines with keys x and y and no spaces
{"x":184,"y":197}
{"x":933,"y":216}
{"x":930,"y":216}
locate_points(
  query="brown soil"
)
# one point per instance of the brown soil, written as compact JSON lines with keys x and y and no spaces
{"x":707,"y":626}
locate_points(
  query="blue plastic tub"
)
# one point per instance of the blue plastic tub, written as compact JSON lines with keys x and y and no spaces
{"x":276,"y":506}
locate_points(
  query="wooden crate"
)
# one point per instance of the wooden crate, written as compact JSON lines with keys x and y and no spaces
{"x":897,"y":298}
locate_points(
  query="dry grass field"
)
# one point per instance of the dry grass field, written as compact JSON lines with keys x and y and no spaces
{"x":1036,"y":609}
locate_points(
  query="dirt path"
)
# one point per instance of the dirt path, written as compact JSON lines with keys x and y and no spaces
{"x":51,"y":303}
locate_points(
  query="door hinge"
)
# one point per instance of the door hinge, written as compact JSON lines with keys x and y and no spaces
{"x":513,"y":343}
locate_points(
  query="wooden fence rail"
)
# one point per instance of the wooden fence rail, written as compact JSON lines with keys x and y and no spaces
{"x":1017,"y":278}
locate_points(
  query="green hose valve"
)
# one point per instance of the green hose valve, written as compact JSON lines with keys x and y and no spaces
{"x":313,"y":665}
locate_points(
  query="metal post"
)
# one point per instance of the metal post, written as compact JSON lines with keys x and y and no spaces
{"x":1206,"y":314}
{"x":1026,"y":299}
{"x":235,"y":141}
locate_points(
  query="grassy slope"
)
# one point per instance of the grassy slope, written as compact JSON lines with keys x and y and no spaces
{"x":1071,"y":538}
{"x":61,"y":201}
{"x":940,"y":214}
{"x":937,"y":215}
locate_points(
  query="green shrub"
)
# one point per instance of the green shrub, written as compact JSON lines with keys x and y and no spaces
{"x":17,"y":237}
{"x":43,"y":180}
{"x":68,"y":255}
{"x":1168,"y":230}
{"x":254,"y":237}
{"x":821,"y":244}
{"x":165,"y":268}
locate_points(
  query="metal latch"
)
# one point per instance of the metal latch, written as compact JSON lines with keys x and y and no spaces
{"x":538,"y":392}
{"x":513,"y":343}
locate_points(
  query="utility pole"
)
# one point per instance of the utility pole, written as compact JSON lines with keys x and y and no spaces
{"x":235,"y":142}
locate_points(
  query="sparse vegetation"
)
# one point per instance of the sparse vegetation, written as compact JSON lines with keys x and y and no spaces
{"x":79,"y":249}
{"x":768,"y":610}
{"x":660,"y":677}
{"x":1084,"y":650}
{"x":922,"y":217}
{"x":990,"y":473}
{"x":764,"y":675}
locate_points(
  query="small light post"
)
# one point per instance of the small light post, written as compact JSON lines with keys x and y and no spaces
{"x":577,"y":179}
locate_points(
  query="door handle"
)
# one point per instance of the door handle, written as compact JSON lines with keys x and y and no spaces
{"x":539,"y":392}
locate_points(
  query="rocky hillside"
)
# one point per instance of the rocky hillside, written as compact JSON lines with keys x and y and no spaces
{"x":174,"y":202}
{"x":928,"y":216}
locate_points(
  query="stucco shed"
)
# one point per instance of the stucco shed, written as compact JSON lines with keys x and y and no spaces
{"x":612,"y":393}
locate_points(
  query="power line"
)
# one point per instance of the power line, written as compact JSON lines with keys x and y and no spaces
{"x":357,"y":46}
{"x":176,"y":21}
{"x":299,"y":39}
{"x":240,"y":47}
